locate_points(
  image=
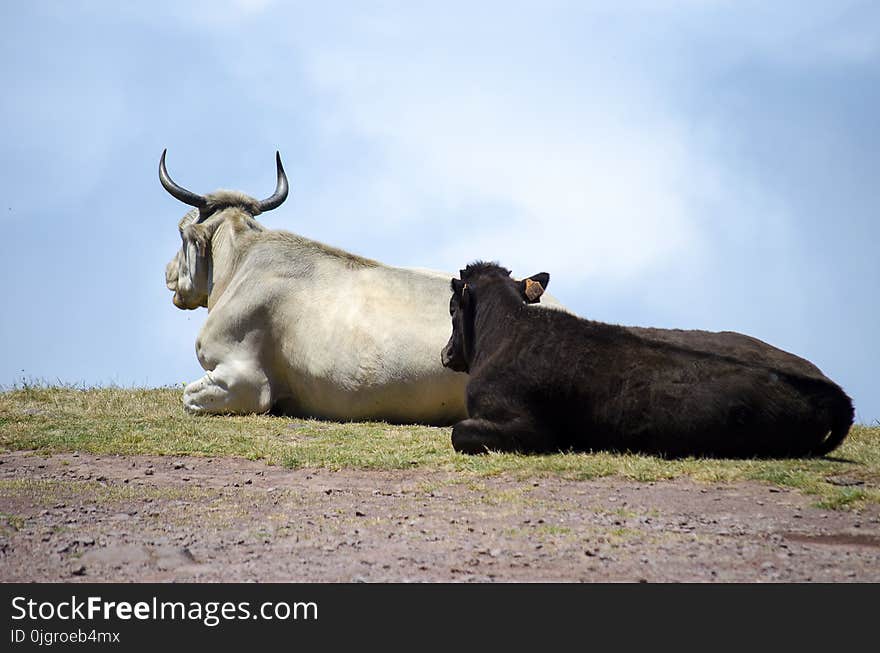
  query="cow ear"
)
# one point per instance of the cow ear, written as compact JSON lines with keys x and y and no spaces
{"x":456,"y":285}
{"x":533,"y":287}
{"x":198,"y":236}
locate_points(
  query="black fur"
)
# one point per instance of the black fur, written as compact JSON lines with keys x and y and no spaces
{"x":544,"y":380}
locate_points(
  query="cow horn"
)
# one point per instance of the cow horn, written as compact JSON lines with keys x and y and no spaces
{"x":184,"y":195}
{"x":280,"y":194}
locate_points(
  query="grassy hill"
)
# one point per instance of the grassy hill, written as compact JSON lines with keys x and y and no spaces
{"x":134,"y":421}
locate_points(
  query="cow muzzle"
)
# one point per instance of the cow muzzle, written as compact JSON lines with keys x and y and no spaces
{"x":450,"y":360}
{"x":181,"y":303}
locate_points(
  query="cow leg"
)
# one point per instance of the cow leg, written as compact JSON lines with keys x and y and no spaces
{"x":475,"y":436}
{"x":231,"y":387}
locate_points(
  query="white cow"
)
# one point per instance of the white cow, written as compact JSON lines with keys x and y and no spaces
{"x":304,"y":328}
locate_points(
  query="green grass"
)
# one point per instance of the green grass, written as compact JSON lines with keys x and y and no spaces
{"x":11,"y":522}
{"x":132,"y":421}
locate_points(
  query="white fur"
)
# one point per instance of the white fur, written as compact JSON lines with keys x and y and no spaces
{"x":311,"y":329}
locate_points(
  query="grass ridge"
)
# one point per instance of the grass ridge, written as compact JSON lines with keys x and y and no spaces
{"x":51,"y":419}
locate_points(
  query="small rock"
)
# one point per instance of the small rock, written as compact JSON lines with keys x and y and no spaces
{"x":79,"y":570}
{"x":148,"y":471}
{"x":358,"y":513}
{"x":178,"y":465}
{"x":173,"y":558}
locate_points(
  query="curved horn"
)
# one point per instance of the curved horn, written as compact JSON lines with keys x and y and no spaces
{"x":280,"y":194}
{"x":184,"y":195}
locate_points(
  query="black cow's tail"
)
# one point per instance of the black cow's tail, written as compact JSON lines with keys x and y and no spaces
{"x":842,"y":415}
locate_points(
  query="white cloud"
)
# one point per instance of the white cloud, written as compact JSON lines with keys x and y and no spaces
{"x":579,"y":168}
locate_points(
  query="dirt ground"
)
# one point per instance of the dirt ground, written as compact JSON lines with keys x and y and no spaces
{"x":77,"y":517}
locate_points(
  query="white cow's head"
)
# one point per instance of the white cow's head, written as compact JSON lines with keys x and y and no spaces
{"x":188,"y":273}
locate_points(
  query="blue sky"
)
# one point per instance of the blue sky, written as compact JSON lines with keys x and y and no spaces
{"x":687,"y":164}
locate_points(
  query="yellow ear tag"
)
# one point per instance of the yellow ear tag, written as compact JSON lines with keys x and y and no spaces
{"x":533,"y":290}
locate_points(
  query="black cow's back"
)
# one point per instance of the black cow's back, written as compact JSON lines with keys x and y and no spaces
{"x":590,"y":385}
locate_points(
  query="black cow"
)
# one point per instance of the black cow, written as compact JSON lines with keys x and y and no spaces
{"x":544,"y":381}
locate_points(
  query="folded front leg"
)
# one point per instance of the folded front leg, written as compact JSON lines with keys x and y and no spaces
{"x":234,"y":387}
{"x":475,"y":436}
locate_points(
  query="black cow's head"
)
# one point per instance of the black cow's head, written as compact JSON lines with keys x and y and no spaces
{"x":459,"y":351}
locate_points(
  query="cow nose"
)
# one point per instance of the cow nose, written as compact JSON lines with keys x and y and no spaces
{"x":445,"y":358}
